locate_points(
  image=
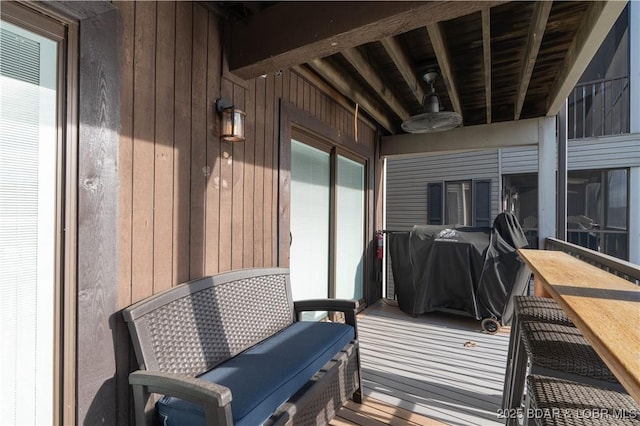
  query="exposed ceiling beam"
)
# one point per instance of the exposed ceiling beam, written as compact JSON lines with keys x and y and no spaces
{"x":484,"y":136}
{"x":444,"y":61}
{"x":348,"y":86}
{"x":360,"y":63}
{"x":486,"y":53}
{"x":541,"y":10}
{"x":595,"y":26}
{"x":292,"y":33}
{"x":401,"y":59}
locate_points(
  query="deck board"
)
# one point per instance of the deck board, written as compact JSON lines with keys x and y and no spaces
{"x":373,"y":412}
{"x":421,"y":367}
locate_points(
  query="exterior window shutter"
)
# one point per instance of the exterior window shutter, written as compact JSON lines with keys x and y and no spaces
{"x":482,"y":203}
{"x":434,"y":198}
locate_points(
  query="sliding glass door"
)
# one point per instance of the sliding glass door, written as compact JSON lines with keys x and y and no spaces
{"x":28,"y":216}
{"x":350,"y":203}
{"x":310,"y":198}
{"x":327,"y":222}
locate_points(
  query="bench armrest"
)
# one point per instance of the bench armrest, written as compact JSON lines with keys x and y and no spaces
{"x":336,"y":305}
{"x":348,"y":307}
{"x":214,"y":398}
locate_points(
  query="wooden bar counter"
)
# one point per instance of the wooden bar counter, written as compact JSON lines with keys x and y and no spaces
{"x":604,"y":307}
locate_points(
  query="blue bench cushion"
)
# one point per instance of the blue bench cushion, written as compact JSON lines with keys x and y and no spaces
{"x":267,"y":374}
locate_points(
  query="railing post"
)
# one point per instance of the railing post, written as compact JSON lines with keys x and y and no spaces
{"x":546,"y":178}
{"x":634,"y":66}
{"x":561,"y":214}
{"x":634,"y":220}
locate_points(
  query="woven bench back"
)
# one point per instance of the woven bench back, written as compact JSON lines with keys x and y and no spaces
{"x":195,"y":326}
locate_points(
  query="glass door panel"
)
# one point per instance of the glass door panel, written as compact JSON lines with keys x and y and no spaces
{"x":310,"y":201}
{"x":350,"y":209}
{"x":28,"y":152}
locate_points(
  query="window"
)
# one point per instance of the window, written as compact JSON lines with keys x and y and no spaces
{"x":597,"y":210}
{"x":457,"y":203}
{"x":466,"y":203}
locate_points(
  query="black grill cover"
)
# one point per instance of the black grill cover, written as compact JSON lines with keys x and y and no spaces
{"x":474,"y":271}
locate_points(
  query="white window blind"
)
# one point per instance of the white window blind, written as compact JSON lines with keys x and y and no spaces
{"x":27,"y":224}
{"x":310,"y":179}
{"x":349,"y":229}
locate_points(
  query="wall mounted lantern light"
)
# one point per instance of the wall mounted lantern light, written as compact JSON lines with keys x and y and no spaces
{"x":232,"y":121}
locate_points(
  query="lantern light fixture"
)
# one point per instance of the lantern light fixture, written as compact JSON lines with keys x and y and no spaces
{"x":232,"y":121}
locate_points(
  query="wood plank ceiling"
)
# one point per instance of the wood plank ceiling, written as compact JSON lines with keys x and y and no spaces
{"x":499,"y":61}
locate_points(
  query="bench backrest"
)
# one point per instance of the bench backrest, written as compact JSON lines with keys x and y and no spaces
{"x":193,"y":327}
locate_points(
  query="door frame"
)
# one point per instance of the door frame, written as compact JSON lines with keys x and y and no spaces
{"x":64,"y":32}
{"x":323,"y":136}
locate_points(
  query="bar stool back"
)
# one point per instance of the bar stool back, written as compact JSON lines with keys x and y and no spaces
{"x":558,"y":402}
{"x":560,"y":351}
{"x":527,"y":308}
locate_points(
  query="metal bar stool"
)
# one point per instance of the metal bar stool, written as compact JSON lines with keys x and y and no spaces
{"x":556,"y":402}
{"x":527,"y":308}
{"x":558,"y":351}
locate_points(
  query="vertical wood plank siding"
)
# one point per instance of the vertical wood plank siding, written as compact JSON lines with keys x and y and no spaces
{"x":182,"y":144}
{"x":125,"y":170}
{"x":97,"y":232}
{"x":143,"y":149}
{"x":190,"y":204}
{"x":212,"y":171}
{"x":164,"y":147}
{"x":198,"y":72}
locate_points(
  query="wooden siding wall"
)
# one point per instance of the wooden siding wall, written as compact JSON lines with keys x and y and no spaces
{"x":190,"y":204}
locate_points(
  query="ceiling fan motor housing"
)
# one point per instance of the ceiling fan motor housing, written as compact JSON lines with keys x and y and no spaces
{"x":431,"y":103}
{"x":432,"y":119}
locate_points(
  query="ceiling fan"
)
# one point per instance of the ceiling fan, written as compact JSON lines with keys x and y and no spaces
{"x":432,"y":120}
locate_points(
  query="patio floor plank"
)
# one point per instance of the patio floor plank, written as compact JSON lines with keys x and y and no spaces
{"x":421,"y":367}
{"x":373,"y":412}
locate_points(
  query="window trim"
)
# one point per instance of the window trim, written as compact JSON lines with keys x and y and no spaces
{"x":444,"y":195}
{"x":442,"y":185}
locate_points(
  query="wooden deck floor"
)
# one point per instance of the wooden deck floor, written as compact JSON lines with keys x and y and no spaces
{"x":425,"y":367}
{"x":373,"y":412}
